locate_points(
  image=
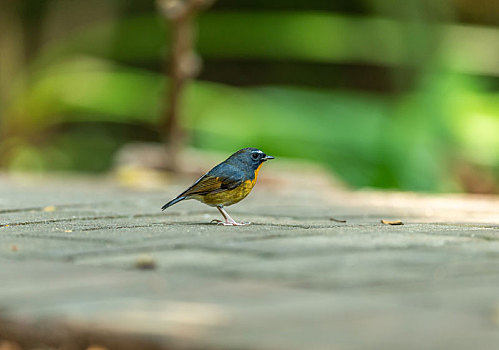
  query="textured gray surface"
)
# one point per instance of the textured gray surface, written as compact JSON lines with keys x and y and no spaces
{"x":70,"y":252}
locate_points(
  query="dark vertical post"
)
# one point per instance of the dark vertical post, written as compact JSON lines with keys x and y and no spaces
{"x":184,"y":64}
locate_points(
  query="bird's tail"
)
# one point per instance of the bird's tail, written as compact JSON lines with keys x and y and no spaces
{"x":172,"y":202}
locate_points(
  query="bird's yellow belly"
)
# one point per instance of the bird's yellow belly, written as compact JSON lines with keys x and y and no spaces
{"x":228,"y":197}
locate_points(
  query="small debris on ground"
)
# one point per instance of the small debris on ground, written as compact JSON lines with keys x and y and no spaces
{"x":496,"y":315}
{"x":14,"y":248}
{"x":49,"y":208}
{"x":145,"y":263}
{"x":337,"y":220}
{"x":392,"y":222}
{"x":96,"y":347}
{"x":8,"y":345}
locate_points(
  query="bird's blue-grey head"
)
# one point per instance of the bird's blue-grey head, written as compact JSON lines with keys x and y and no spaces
{"x":252,"y":157}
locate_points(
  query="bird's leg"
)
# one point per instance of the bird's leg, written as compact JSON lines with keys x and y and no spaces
{"x":228,"y":220}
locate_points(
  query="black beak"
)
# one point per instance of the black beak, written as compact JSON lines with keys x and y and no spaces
{"x":268,"y":157}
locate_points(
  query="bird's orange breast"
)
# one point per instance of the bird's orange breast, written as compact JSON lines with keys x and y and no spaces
{"x":256,"y":173}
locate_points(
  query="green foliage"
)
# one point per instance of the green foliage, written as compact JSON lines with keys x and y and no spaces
{"x":67,"y":103}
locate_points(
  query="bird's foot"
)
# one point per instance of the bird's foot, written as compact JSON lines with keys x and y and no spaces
{"x":229,"y":223}
{"x":233,"y":223}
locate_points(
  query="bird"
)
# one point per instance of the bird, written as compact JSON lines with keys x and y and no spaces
{"x":227,"y":183}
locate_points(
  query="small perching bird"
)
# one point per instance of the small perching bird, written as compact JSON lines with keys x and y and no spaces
{"x":227,"y":183}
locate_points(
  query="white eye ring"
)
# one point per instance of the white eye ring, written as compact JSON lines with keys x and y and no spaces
{"x":254,"y":156}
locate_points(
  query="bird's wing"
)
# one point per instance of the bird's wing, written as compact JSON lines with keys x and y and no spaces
{"x":221,"y":178}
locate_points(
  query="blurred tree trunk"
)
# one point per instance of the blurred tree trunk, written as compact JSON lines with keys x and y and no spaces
{"x":11,"y":47}
{"x":19,"y":43}
{"x":183,"y":65}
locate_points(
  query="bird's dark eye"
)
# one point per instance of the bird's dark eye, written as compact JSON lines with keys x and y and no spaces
{"x":254,"y":156}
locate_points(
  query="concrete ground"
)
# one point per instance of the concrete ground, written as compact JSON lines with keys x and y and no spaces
{"x":87,"y":264}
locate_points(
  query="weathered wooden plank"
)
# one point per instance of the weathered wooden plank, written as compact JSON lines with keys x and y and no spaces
{"x":295,"y":279}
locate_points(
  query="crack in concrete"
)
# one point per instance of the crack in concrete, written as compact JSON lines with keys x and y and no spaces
{"x":42,"y":208}
{"x":88,"y":218}
{"x":203,"y":247}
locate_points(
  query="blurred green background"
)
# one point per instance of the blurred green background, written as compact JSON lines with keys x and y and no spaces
{"x":385,"y":93}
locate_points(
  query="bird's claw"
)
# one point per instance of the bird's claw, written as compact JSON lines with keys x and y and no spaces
{"x":228,"y":223}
